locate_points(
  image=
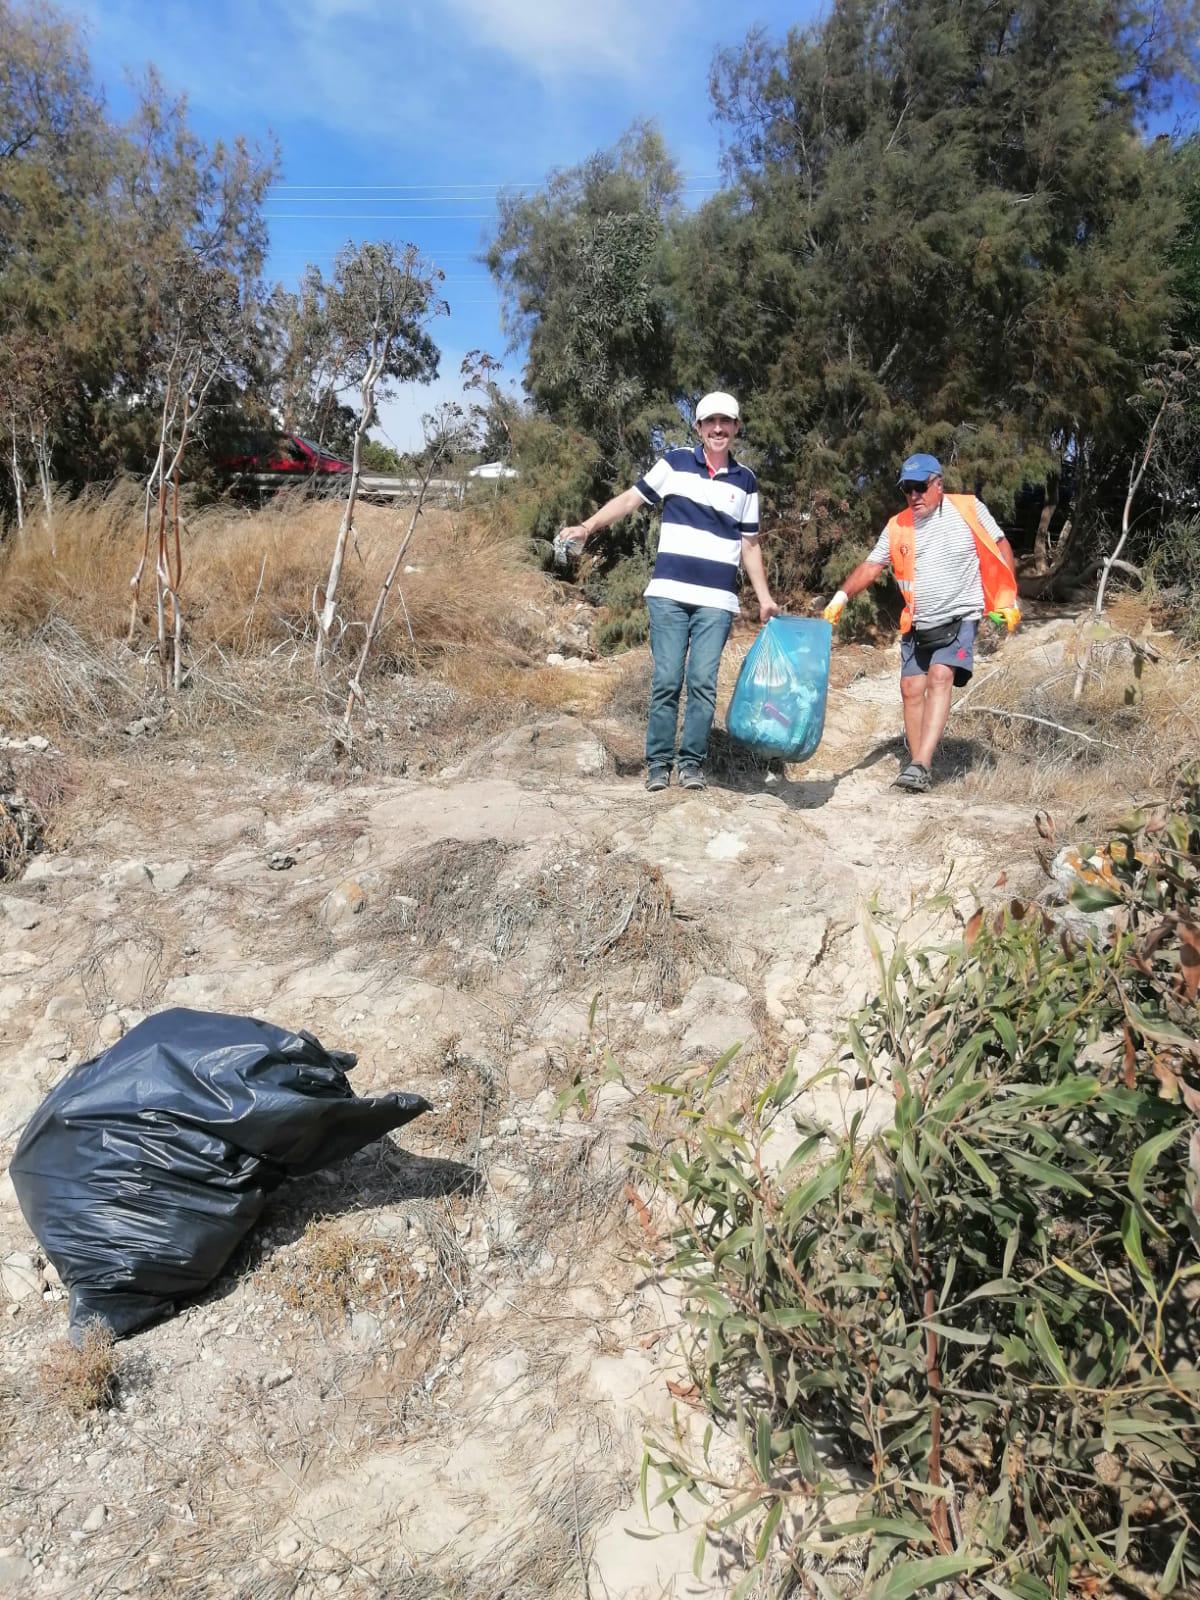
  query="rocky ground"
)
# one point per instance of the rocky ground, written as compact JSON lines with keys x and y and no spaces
{"x":430,"y":1373}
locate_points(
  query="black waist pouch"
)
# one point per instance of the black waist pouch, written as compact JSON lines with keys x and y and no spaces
{"x":937,"y":638}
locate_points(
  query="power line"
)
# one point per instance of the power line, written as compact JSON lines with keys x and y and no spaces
{"x":376,"y":216}
{"x":409,"y":188}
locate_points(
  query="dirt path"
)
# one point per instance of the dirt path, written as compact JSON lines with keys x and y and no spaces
{"x":430,"y":1373}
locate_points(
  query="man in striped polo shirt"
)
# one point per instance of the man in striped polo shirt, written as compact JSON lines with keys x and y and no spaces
{"x":709,"y":505}
{"x":945,"y":605}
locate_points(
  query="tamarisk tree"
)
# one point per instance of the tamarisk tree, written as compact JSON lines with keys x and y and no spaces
{"x":368,"y":328}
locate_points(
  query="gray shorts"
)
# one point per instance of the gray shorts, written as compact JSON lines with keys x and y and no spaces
{"x":959,"y":655}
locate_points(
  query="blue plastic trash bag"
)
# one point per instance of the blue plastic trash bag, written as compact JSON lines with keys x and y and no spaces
{"x":778,"y":705}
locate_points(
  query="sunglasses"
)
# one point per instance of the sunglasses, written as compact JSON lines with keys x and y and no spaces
{"x":910,"y":486}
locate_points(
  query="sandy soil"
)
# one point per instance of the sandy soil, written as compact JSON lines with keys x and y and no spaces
{"x":430,"y":1373}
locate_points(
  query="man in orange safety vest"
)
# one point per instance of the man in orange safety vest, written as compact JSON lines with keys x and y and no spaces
{"x":952,"y":564}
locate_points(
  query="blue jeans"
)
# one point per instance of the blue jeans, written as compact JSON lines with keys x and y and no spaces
{"x":686,"y":643}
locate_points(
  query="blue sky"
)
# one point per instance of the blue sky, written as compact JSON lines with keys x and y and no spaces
{"x":402,"y":120}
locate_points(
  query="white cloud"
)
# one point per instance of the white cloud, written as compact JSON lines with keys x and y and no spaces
{"x":557,"y":38}
{"x":374,"y":70}
{"x":353,"y":66}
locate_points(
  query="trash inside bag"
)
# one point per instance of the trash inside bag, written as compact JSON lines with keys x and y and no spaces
{"x":778,"y":705}
{"x":142,"y":1171}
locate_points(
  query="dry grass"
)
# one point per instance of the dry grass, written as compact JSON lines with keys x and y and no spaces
{"x":20,"y":831}
{"x":1031,"y":742}
{"x":250,"y":577}
{"x":445,"y":889}
{"x":81,"y":1378}
{"x":539,"y":688}
{"x":33,"y":788}
{"x":468,"y":607}
{"x":586,"y":908}
{"x":329,"y":1272}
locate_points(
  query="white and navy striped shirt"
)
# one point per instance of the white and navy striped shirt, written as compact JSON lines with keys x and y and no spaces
{"x":704,"y":520}
{"x":947,"y":579}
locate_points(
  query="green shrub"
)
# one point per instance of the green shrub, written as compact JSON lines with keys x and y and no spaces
{"x":624,"y":622}
{"x":982,"y":1320}
{"x":862,"y":614}
{"x":558,"y":472}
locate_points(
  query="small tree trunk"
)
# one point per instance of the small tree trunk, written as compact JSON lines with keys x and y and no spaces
{"x":155,"y":480}
{"x":356,"y":688}
{"x":41,"y":455}
{"x":176,"y":580}
{"x":1041,"y":541}
{"x":1137,"y":472}
{"x":162,"y":582}
{"x":327,"y":611}
{"x":18,"y":483}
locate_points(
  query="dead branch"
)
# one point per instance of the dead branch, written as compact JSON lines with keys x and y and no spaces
{"x":434,"y":458}
{"x":1169,"y":382}
{"x":1024,"y":716}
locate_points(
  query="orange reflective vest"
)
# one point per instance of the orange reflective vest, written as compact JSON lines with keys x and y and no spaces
{"x":999,"y":585}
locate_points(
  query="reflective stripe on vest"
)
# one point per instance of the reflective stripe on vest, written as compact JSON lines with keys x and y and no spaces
{"x":999,"y":585}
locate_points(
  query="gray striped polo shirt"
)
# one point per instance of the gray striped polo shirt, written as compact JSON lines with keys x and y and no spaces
{"x":948,"y":584}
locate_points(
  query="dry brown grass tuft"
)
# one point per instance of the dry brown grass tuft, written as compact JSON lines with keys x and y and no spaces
{"x":444,"y":889}
{"x":584,"y":907}
{"x":616,"y":908}
{"x":1033,"y":743}
{"x":467,"y":606}
{"x":20,"y":826}
{"x":329,"y":1271}
{"x":33,"y":786}
{"x":83,"y":1377}
{"x":538,"y":688}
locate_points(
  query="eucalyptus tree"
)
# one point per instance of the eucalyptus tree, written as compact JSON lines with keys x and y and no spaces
{"x":364,"y":329}
{"x":583,"y":266}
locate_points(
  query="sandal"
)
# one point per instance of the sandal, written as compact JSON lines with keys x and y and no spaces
{"x":915,"y":778}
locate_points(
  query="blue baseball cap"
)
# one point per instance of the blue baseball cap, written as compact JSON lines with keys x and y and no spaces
{"x":920,"y":466}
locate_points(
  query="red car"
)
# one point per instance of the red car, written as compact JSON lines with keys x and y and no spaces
{"x":287,"y":457}
{"x":290,"y":460}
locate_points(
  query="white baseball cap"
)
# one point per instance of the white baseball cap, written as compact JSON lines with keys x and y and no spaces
{"x":717,"y":405}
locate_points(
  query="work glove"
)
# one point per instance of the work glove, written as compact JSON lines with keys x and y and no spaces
{"x":1010,"y":615}
{"x":835,"y":607}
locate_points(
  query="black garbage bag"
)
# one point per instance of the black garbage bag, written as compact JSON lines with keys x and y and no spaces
{"x":142,"y":1171}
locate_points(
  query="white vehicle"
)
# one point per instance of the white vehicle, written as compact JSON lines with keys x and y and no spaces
{"x":493,"y":469}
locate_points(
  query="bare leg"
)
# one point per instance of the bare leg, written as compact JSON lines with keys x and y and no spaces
{"x":912,"y":698}
{"x":939,"y":685}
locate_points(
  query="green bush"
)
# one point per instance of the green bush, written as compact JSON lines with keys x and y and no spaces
{"x":862,"y":614}
{"x":620,"y":590}
{"x":984,"y":1319}
{"x":556,"y":484}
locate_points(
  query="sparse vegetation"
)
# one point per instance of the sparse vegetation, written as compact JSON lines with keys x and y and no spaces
{"x":81,"y":1378}
{"x":331,"y":1272}
{"x":21,"y":824}
{"x":587,"y":909}
{"x":1115,"y":746}
{"x":974,"y":1331}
